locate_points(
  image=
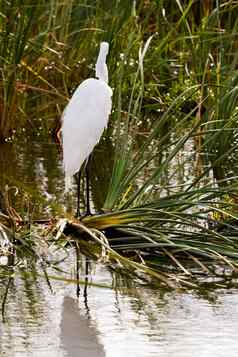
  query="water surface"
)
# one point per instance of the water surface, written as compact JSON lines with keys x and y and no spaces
{"x":122,"y":322}
{"x":136,"y":322}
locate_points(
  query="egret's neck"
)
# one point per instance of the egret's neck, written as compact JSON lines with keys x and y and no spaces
{"x":101,"y":66}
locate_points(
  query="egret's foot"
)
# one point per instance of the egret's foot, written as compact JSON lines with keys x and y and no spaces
{"x":85,"y":214}
{"x":77,"y":215}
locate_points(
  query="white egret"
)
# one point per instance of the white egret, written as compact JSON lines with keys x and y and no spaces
{"x":84,"y":120}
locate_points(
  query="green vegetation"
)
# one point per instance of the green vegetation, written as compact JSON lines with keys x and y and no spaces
{"x":169,"y":199}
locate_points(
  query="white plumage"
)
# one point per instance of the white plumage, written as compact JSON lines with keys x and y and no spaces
{"x":86,"y":116}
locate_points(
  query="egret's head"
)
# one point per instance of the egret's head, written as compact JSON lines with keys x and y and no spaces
{"x":104,"y":48}
{"x":101,"y":67}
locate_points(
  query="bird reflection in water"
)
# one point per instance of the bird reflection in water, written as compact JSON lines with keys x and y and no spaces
{"x":78,"y":336}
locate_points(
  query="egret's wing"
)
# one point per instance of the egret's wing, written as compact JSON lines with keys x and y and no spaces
{"x":84,"y":120}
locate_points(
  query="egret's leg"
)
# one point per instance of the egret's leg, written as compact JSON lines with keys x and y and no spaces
{"x":85,"y":292}
{"x":77,"y":269}
{"x":78,"y":193}
{"x":88,"y":166}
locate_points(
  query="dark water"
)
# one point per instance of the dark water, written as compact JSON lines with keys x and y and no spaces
{"x":122,"y":322}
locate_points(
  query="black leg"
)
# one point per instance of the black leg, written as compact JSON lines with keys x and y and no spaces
{"x":78,"y":193}
{"x":88,"y":166}
{"x":77,"y":269}
{"x":85,"y":292}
